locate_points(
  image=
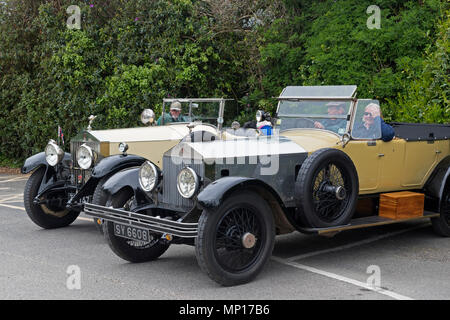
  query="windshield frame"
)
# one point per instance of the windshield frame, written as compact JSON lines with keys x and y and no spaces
{"x":191,"y":101}
{"x":349,"y":116}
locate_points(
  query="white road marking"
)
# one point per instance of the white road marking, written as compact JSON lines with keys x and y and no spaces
{"x":8,"y":177}
{"x":23,"y":209}
{"x":16,"y":196}
{"x":334,"y":276}
{"x":355,"y":244}
{"x":85,"y":219}
{"x":5,"y":188}
{"x":14,"y":179}
{"x":12,"y":207}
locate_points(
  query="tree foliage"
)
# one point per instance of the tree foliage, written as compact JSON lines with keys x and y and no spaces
{"x":129,"y":55}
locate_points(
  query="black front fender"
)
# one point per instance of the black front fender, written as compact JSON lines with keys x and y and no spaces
{"x":106,"y":167}
{"x":214,"y":194}
{"x":115,"y":163}
{"x":128,"y":178}
{"x":38,"y":160}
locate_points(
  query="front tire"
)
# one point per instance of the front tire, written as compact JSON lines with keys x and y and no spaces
{"x":100,"y":198}
{"x":235,"y":241}
{"x":129,"y":250}
{"x":45,"y":216}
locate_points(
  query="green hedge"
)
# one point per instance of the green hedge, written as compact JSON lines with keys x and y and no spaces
{"x":129,"y":55}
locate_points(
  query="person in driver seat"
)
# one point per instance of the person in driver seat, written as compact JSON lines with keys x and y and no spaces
{"x":174,"y":114}
{"x":372,"y":125}
{"x":335,"y":125}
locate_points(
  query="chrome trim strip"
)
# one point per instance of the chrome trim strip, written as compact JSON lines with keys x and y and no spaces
{"x":159,"y":225}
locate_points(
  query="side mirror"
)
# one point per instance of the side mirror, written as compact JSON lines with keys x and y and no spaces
{"x":147,"y":116}
{"x":345,"y":139}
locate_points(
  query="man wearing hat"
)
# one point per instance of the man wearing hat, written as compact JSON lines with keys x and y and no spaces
{"x":333,"y":124}
{"x":174,"y":114}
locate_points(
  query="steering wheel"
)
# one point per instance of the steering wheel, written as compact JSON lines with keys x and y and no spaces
{"x":304,"y":123}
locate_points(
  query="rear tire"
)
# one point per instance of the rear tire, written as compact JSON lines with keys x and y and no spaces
{"x":326,"y":189}
{"x":43,"y":216}
{"x":441,"y":225}
{"x":132,"y":251}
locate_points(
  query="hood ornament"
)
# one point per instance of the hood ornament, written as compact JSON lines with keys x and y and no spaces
{"x":91,"y":119}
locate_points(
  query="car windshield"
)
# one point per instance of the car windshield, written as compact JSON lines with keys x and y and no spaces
{"x":367,"y":123}
{"x":189,"y":111}
{"x":324,"y":114}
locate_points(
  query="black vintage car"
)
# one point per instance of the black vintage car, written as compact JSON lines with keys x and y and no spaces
{"x":61,"y":181}
{"x":232,"y":196}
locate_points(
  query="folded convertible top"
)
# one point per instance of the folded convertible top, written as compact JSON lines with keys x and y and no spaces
{"x":421,"y":131}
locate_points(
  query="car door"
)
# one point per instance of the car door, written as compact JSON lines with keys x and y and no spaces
{"x":366,"y":158}
{"x":365,"y":152}
{"x":420,"y":158}
{"x":391,"y":174}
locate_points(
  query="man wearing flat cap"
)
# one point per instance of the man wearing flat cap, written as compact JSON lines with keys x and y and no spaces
{"x":333,"y":124}
{"x":174,"y":114}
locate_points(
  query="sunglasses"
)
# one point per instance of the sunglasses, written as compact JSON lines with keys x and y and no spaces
{"x":368,"y":114}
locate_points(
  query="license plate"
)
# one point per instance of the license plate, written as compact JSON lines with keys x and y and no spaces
{"x":132,"y":233}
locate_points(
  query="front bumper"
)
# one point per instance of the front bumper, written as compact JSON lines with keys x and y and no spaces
{"x":153,"y":224}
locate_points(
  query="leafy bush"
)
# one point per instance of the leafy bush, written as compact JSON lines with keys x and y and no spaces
{"x":129,"y":55}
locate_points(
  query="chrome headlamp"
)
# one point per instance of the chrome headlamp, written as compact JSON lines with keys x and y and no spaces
{"x":85,"y":157}
{"x":147,"y":116}
{"x":187,"y":183}
{"x":148,"y":176}
{"x":259,"y":115}
{"x":53,"y":153}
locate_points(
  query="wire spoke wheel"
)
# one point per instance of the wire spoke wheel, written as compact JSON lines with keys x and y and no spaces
{"x":441,"y":225}
{"x":135,"y":243}
{"x":238,"y":239}
{"x":446,"y":207}
{"x":127,"y":249}
{"x":330,"y":192}
{"x":326,"y":189}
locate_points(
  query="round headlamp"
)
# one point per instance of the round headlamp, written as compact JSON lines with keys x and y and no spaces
{"x":259,"y":115}
{"x":53,"y":153}
{"x":85,"y":156}
{"x":148,"y":176}
{"x":187,"y":182}
{"x":147,"y":116}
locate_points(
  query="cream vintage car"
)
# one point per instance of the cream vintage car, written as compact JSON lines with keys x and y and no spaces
{"x":62,"y":181}
{"x":328,"y":167}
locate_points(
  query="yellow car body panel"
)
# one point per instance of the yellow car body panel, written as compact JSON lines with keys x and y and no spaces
{"x":148,"y":142}
{"x":381,"y":166}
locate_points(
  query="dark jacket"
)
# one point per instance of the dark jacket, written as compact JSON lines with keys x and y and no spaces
{"x":168,"y":119}
{"x":387,"y":132}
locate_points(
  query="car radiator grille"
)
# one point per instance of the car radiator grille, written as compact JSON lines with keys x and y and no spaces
{"x":170,"y":194}
{"x":80,"y":176}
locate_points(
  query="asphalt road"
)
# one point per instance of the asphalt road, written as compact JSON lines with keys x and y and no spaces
{"x":411,"y":261}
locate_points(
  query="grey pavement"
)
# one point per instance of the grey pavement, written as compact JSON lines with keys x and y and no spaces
{"x":413,"y":263}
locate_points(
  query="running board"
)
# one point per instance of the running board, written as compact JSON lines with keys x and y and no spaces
{"x":366,"y":222}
